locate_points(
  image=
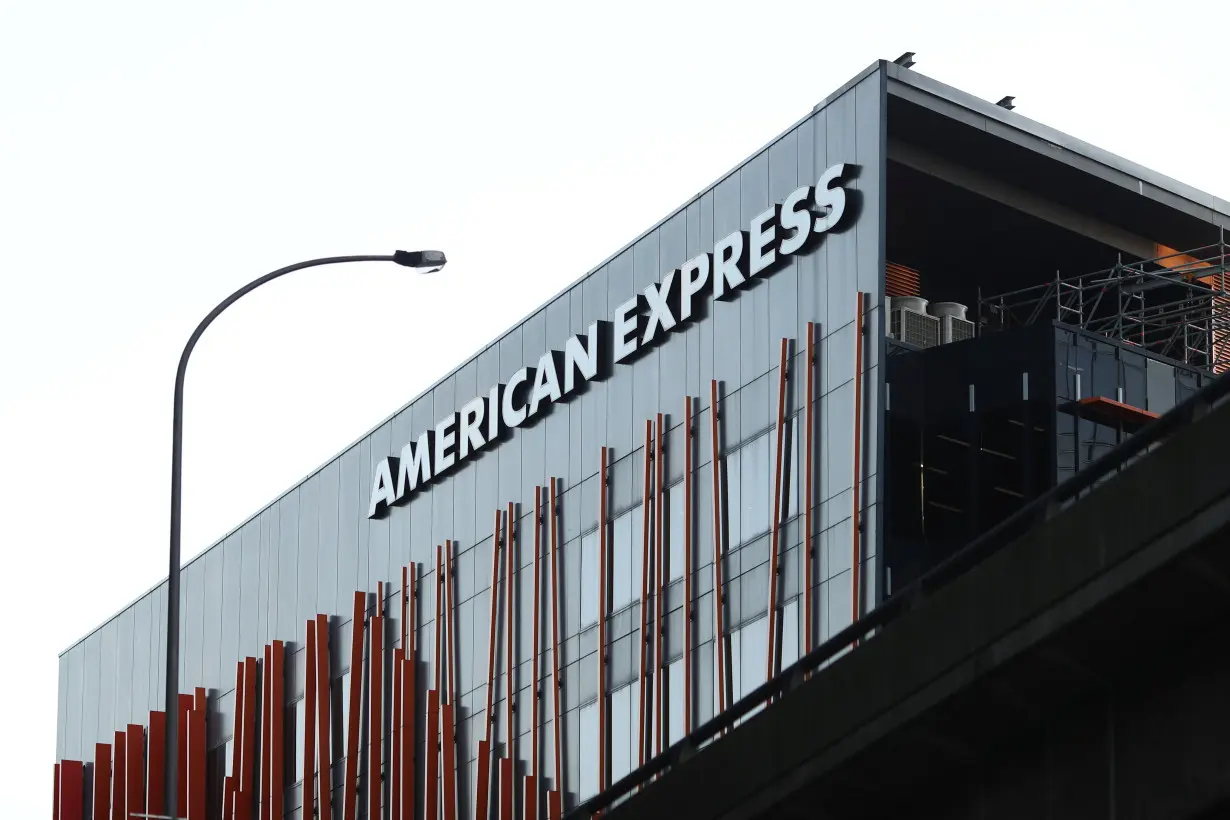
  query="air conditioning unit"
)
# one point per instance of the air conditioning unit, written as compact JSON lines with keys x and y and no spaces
{"x":909,"y":322}
{"x":954,"y":327}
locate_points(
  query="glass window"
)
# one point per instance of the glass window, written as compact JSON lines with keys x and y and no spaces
{"x":229,"y":751}
{"x":675,"y":542}
{"x":341,"y":715}
{"x":734,"y":504}
{"x":753,"y":656}
{"x":589,"y":579}
{"x":674,"y":691}
{"x":790,"y":633}
{"x":794,"y":450}
{"x":621,"y":733}
{"x":295,"y":739}
{"x":623,"y":580}
{"x":588,"y":783}
{"x":755,"y":488}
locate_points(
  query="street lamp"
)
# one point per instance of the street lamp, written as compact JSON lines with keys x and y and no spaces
{"x":423,"y":261}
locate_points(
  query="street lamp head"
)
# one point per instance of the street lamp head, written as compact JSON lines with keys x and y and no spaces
{"x":426,"y":261}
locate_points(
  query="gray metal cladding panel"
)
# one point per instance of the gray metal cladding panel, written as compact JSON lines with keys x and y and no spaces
{"x":211,"y":621}
{"x":313,"y":548}
{"x":125,"y":711}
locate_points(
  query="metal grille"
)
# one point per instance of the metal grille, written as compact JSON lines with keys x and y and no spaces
{"x":957,"y":330}
{"x":913,"y":328}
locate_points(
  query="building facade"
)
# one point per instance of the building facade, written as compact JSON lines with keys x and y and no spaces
{"x":633,"y":507}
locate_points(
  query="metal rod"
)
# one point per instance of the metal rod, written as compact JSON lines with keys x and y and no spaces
{"x":809,"y":549}
{"x":719,"y":590}
{"x":603,"y":607}
{"x":646,"y":536}
{"x":857,"y":524}
{"x":773,"y":660}
{"x":556,"y":682}
{"x":535,"y":691}
{"x":689,"y":617}
{"x":510,"y":558}
{"x":659,"y":592}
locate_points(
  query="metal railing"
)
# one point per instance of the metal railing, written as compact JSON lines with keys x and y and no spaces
{"x":1009,"y":530}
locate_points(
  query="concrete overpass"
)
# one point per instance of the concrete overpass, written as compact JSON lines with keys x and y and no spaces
{"x":1078,"y":669}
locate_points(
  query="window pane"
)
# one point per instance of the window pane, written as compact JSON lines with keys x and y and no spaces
{"x":755,"y":488}
{"x":588,"y":785}
{"x":623,"y":581}
{"x":675,"y":536}
{"x":734,"y":504}
{"x":296,"y":741}
{"x":341,"y":715}
{"x":589,"y":579}
{"x":621,"y":737}
{"x":674,"y":690}
{"x":790,"y":633}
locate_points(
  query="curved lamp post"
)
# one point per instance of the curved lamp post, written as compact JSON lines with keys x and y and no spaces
{"x":425,"y":261}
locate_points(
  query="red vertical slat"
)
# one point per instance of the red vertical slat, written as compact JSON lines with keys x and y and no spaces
{"x":399,"y":656}
{"x":181,"y":781}
{"x":688,"y":615}
{"x":196,"y":765}
{"x":555,"y":806}
{"x":510,"y":563}
{"x":437,"y":658}
{"x":529,"y":800}
{"x":719,"y":591}
{"x":72,"y":790}
{"x":483,"y":786}
{"x":119,"y":776}
{"x":646,"y":571}
{"x":155,"y":778}
{"x":247,"y":760}
{"x":431,"y":799}
{"x":857,"y":545}
{"x":375,"y":713}
{"x":659,"y":593}
{"x":228,"y":798}
{"x":506,"y":789}
{"x":772,"y":661}
{"x":408,"y":709}
{"x":809,"y":572}
{"x":266,"y":731}
{"x":356,"y":693}
{"x":448,"y":763}
{"x":55,"y":800}
{"x":309,"y":721}
{"x":277,"y":726}
{"x":237,"y":741}
{"x":450,"y":606}
{"x":324,"y":743}
{"x":535,"y":694}
{"x":134,"y":769}
{"x":603,"y":606}
{"x":553,"y":512}
{"x":102,"y":782}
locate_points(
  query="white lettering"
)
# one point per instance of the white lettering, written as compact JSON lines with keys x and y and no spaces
{"x":470,"y":437}
{"x":694,"y":284}
{"x":795,"y":220}
{"x":382,"y":489}
{"x":513,"y":410}
{"x":831,"y":202}
{"x":730,"y":264}
{"x":546,"y":382}
{"x":415,"y":464}
{"x":661,"y":317}
{"x":764,"y":241}
{"x":582,"y":357}
{"x":627,"y":319}
{"x":445,"y":450}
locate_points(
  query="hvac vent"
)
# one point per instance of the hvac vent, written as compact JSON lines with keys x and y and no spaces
{"x":914,"y":328}
{"x":953,"y":329}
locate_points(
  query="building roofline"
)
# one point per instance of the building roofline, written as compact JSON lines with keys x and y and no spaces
{"x":1020,"y":130}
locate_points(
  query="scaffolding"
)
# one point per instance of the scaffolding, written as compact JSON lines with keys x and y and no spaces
{"x":1175,"y":305}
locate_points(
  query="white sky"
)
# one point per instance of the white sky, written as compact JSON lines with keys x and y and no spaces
{"x":155,"y":156}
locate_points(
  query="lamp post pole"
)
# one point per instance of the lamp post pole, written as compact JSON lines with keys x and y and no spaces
{"x":430,"y":261}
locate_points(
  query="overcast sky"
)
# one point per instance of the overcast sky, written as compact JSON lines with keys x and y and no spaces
{"x":155,"y":156}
